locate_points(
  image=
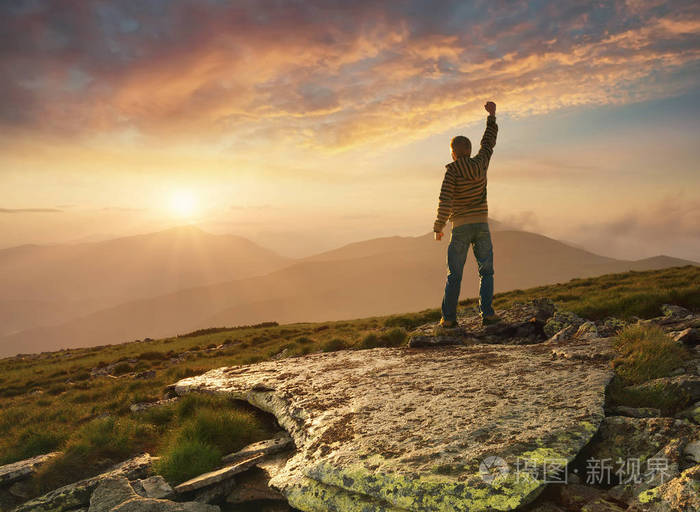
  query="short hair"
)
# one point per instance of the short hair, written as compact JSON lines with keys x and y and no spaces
{"x":461,"y":142}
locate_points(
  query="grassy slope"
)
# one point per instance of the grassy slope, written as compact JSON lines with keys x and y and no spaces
{"x":50,"y":401}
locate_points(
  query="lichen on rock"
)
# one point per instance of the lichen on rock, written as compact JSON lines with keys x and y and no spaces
{"x":394,"y":429}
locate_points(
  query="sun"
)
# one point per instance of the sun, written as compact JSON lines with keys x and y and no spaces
{"x":183,"y":203}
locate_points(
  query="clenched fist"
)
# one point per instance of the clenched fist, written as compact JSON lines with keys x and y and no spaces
{"x":490,"y":107}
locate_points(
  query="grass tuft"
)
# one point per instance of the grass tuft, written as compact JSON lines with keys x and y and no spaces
{"x":646,"y":353}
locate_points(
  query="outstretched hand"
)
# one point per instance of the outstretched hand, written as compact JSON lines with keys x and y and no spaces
{"x":490,"y":108}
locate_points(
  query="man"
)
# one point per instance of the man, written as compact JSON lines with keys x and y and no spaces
{"x":463,"y":201}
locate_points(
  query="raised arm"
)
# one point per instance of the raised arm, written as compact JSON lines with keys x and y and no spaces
{"x":488,"y":141}
{"x":445,"y":201}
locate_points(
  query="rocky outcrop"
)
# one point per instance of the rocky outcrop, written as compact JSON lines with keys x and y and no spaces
{"x":396,"y":429}
{"x":116,"y":494}
{"x":78,"y":495}
{"x":24,"y":468}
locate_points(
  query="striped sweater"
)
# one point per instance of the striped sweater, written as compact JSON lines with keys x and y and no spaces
{"x":463,"y":191}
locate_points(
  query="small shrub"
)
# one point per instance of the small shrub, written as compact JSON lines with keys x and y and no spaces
{"x":646,"y":352}
{"x":30,"y":443}
{"x":371,"y":340}
{"x":153,"y":355}
{"x":225,"y":428}
{"x":334,"y":344}
{"x":303,"y":340}
{"x":98,"y":444}
{"x":412,"y":320}
{"x":394,"y":337}
{"x":189,"y":458}
{"x":391,"y":338}
{"x":121,"y":369}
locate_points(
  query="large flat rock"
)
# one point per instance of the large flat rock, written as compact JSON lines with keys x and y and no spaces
{"x":396,"y":429}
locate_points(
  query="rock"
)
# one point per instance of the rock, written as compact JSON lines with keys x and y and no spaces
{"x":689,"y":336}
{"x":267,"y":447}
{"x":587,"y":330}
{"x":253,"y":485}
{"x":214,"y":493}
{"x":620,"y":437}
{"x":600,"y":349}
{"x":404,"y":429}
{"x":560,"y":320}
{"x":563,"y":335}
{"x":575,"y":496}
{"x":148,"y":374}
{"x":219,"y":475}
{"x":687,"y":386}
{"x":78,"y":494}
{"x":155,"y":505}
{"x":22,"y":489}
{"x":281,"y":355}
{"x":635,"y":412}
{"x":610,"y":327}
{"x":673,"y":311}
{"x":110,"y":493}
{"x":142,"y":406}
{"x":692,"y":413}
{"x":521,"y":324}
{"x":679,"y":494}
{"x":153,"y":487}
{"x":22,"y":469}
{"x":692,"y":451}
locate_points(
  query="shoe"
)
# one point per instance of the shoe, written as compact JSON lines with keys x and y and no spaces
{"x":490,"y":320}
{"x":448,"y":324}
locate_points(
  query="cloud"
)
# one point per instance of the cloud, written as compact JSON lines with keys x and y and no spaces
{"x":329,"y":74}
{"x":669,"y":226}
{"x":30,"y":210}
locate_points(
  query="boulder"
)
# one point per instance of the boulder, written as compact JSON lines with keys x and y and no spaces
{"x":110,"y":493}
{"x":560,"y":320}
{"x":251,"y":486}
{"x":78,"y":494}
{"x":267,"y":447}
{"x":692,"y":413}
{"x":395,"y":429}
{"x":673,"y":311}
{"x":625,"y":438}
{"x":687,"y":386}
{"x":575,"y":496}
{"x":22,"y":469}
{"x":521,"y":324}
{"x":689,"y":336}
{"x":635,"y":412}
{"x":679,"y":494}
{"x":152,"y":487}
{"x":218,"y":475}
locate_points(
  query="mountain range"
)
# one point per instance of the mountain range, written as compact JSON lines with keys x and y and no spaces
{"x":182,"y":279}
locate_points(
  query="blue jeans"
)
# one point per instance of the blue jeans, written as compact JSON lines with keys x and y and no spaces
{"x":479,"y":236}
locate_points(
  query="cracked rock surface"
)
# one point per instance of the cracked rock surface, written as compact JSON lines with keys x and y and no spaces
{"x":398,"y":429}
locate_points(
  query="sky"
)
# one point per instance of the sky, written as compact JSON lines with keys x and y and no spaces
{"x":307,"y":125}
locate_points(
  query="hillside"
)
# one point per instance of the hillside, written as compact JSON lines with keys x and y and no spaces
{"x":381,"y":276}
{"x":99,"y":385}
{"x":42,"y":285}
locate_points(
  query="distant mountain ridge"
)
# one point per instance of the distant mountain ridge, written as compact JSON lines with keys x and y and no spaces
{"x":372,"y":277}
{"x":42,"y":284}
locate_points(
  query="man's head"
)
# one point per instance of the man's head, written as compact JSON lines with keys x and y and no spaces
{"x":461,"y":146}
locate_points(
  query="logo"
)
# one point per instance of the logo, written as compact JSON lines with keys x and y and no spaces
{"x":492,"y":468}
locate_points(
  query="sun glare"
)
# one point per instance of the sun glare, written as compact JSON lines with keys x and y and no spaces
{"x":183,"y":203}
